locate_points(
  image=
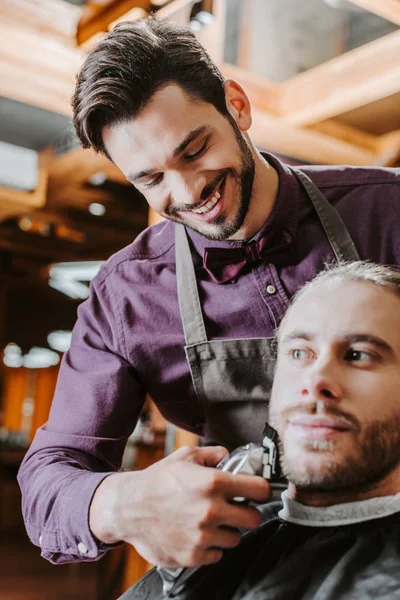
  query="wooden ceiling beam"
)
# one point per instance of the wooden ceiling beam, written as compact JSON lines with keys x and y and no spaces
{"x":330,"y":142}
{"x":271,"y":133}
{"x":387,"y":9}
{"x":57,"y":18}
{"x":37,"y":69}
{"x":97,"y":16}
{"x":359,"y":77}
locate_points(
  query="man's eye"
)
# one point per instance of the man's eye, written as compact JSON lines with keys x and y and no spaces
{"x":197,"y":153}
{"x":155,"y":181}
{"x":359,"y":356}
{"x":298,"y":354}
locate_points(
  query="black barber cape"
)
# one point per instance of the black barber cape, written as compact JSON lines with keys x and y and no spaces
{"x":349,"y":551}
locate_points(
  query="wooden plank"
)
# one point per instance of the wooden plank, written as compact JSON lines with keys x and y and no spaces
{"x":388,"y":9}
{"x":353,"y":135}
{"x":57,"y":17}
{"x":97,"y":16}
{"x":354,"y":79}
{"x":26,"y":47}
{"x":273,"y":134}
{"x":37,"y":69}
{"x":35,"y":87}
{"x":329,"y":143}
{"x":388,"y":149}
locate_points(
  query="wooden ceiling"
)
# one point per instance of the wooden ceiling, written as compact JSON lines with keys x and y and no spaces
{"x":343,"y":111}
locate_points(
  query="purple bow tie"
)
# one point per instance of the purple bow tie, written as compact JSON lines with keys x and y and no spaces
{"x":224,"y":264}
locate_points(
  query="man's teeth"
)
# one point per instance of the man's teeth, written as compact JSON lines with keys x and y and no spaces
{"x":210,"y":204}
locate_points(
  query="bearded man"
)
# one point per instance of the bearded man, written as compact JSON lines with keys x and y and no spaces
{"x":335,"y":404}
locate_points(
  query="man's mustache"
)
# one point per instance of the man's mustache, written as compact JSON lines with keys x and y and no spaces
{"x":321,"y":408}
{"x":207,"y":190}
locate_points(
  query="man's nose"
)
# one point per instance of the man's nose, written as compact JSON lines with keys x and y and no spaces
{"x":185,"y":189}
{"x":322,"y":381}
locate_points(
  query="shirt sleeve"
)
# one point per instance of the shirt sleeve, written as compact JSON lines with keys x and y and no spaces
{"x":96,"y":405}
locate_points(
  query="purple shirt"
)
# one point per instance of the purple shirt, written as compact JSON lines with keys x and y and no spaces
{"x":128,"y":341}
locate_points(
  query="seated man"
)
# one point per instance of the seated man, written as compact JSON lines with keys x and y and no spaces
{"x":336,"y":406}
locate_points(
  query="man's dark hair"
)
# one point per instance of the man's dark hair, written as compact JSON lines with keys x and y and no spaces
{"x":129,"y":65}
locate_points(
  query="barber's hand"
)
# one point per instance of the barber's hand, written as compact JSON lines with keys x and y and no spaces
{"x":178,"y":512}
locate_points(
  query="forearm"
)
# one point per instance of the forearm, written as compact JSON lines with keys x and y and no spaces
{"x":57,"y":489}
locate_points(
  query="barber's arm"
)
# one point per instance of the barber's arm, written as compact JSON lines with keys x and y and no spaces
{"x":97,"y":403}
{"x":177,"y":512}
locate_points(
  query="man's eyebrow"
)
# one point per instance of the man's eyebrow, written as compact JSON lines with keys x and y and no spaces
{"x":191,"y":136}
{"x":297,"y":334}
{"x":353,"y":338}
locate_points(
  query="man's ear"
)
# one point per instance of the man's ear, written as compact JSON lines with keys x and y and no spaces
{"x":238,"y":104}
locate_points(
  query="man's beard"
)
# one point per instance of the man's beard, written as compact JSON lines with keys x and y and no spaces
{"x":228,"y":227}
{"x":375,"y":454}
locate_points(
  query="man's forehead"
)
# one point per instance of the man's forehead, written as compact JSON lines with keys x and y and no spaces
{"x":338,"y":308}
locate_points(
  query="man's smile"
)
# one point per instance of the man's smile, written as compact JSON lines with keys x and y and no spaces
{"x":212,"y":206}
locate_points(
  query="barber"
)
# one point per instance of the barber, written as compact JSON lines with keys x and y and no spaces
{"x":188,"y":311}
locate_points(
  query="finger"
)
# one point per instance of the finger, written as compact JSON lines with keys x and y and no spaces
{"x":225,"y":537}
{"x":210,"y":556}
{"x":251,"y":487}
{"x":239,"y":517}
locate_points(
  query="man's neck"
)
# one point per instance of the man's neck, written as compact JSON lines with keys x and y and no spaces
{"x":387,"y":486}
{"x":264,"y":194}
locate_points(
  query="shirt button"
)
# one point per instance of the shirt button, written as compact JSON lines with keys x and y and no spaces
{"x":40,"y":540}
{"x":82,"y":548}
{"x":271,"y":289}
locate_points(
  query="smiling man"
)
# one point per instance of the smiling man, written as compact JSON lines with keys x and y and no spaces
{"x":187,"y":313}
{"x":336,"y":405}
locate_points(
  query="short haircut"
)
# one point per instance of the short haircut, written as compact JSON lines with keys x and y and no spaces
{"x":385,"y":277}
{"x":134,"y":61}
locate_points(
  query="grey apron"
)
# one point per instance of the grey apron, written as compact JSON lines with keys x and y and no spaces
{"x":233,"y":378}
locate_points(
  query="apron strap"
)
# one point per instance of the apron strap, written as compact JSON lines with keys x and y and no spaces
{"x":188,"y":294}
{"x":336,"y":231}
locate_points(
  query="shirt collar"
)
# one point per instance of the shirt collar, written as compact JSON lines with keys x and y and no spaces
{"x":338,"y":514}
{"x":285,"y":212}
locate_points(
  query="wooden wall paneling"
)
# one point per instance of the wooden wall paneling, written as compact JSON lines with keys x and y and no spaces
{"x":15,"y":382}
{"x":387,"y":9}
